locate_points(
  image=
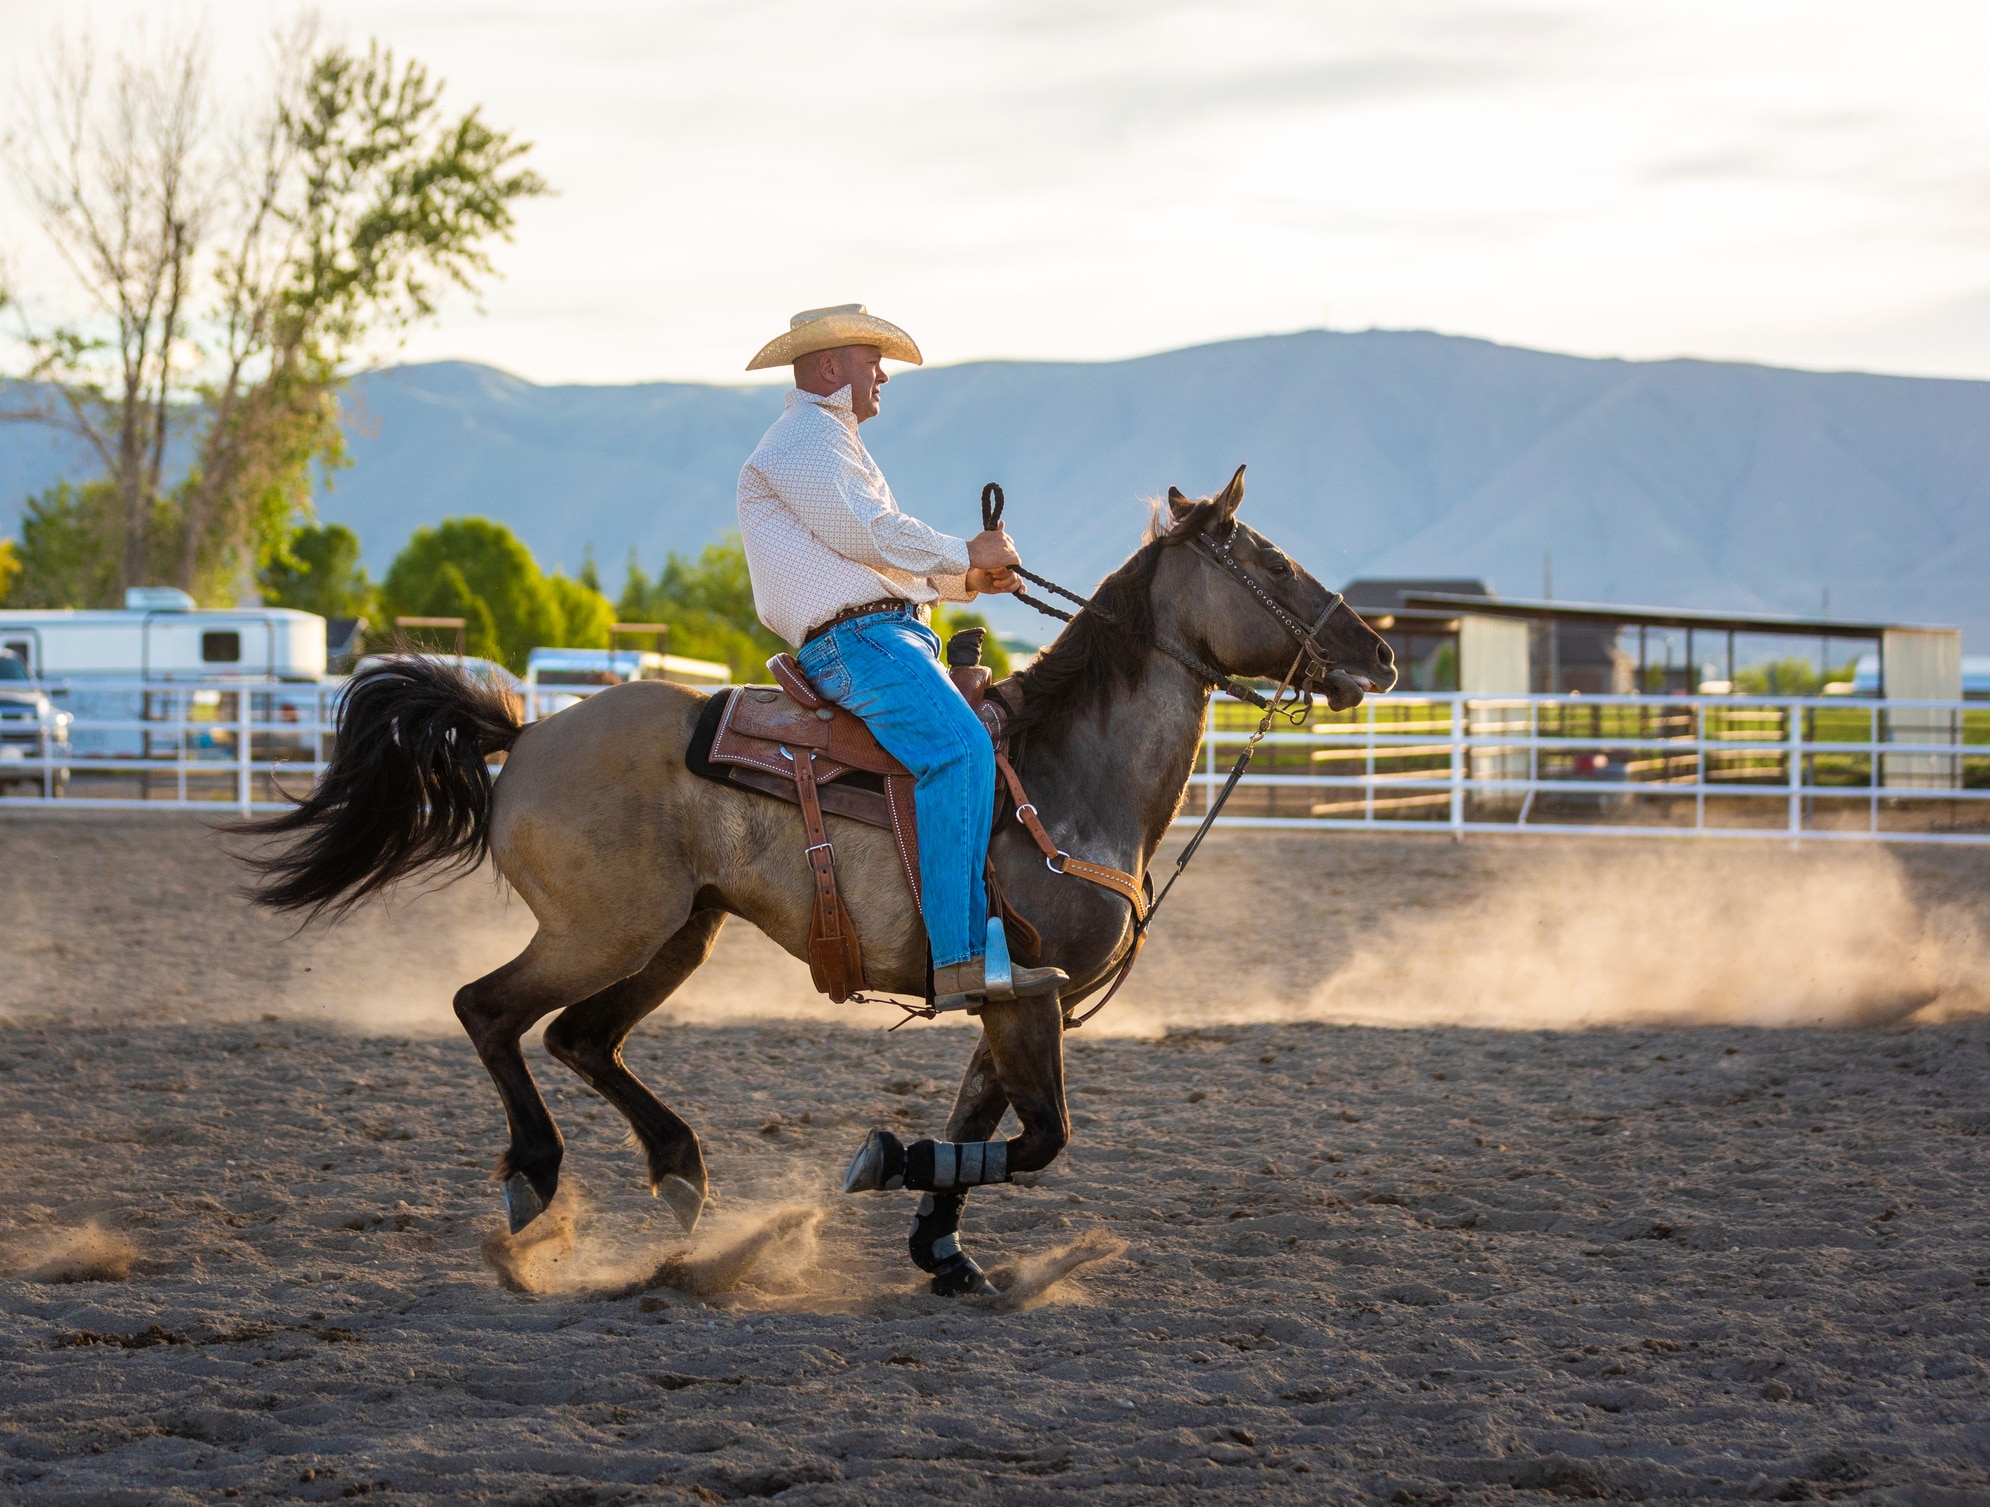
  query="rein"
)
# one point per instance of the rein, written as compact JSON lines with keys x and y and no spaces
{"x":992,"y":504}
{"x":1295,"y":711}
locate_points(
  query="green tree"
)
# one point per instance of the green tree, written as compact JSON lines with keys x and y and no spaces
{"x":462,"y":561}
{"x":636,"y":590}
{"x":585,"y":614}
{"x":447,"y":594}
{"x":237,"y":269}
{"x":320,"y":572}
{"x":68,"y":554}
{"x":708,"y":604}
{"x":493,"y":567}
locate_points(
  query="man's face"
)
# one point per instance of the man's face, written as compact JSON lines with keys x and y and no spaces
{"x":857,"y":367}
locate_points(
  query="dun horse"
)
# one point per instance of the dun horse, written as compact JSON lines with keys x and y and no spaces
{"x":631,"y":864}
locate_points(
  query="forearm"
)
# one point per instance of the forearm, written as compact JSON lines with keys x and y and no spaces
{"x":905,"y":543}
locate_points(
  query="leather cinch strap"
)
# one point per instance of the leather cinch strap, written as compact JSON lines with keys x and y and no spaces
{"x":834,"y":961}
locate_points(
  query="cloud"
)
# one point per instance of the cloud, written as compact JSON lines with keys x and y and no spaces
{"x":1092,"y":178}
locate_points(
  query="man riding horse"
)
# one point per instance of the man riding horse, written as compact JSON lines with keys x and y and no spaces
{"x":848,"y":580}
{"x":632,"y":847}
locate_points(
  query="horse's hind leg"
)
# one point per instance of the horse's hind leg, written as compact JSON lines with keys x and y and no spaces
{"x":496,"y":1010}
{"x":588,"y":1038}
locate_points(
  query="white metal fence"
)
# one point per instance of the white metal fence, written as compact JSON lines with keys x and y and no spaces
{"x":117,"y":743}
{"x":1830,"y":768}
{"x":1833,"y":768}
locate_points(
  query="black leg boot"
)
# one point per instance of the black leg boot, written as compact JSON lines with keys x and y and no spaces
{"x":935,"y":1246}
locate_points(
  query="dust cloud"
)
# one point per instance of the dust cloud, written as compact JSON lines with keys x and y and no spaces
{"x":718,"y":1266}
{"x":395,"y":968}
{"x":1274,"y":927}
{"x":1031,"y":1280}
{"x":564,"y":1252}
{"x":1520,"y":936}
{"x":540,"y":1257}
{"x":1636,"y":935}
{"x":86,"y":1254}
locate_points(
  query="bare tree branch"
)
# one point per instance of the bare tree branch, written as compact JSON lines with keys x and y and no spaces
{"x":115,"y":180}
{"x":228,"y":281}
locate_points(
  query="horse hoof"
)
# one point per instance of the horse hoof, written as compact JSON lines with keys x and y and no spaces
{"x":959,"y":1277}
{"x":522,"y":1203}
{"x":879,"y":1164}
{"x":685,"y":1201}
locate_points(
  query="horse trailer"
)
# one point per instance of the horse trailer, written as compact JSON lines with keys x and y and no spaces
{"x":118,"y":669}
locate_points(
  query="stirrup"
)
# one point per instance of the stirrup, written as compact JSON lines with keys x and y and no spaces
{"x":1000,"y":979}
{"x":996,"y":974}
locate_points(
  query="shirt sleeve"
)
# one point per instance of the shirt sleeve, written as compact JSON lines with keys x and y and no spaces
{"x":843,"y":504}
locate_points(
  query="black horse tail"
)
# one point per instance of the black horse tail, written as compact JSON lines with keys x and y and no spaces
{"x":407,"y":788}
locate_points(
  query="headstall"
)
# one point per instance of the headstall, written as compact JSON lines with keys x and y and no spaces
{"x":1318,"y":666}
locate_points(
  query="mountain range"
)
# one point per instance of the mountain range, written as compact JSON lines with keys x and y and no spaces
{"x":1677,"y":483}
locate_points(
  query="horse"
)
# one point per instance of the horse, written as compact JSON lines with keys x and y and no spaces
{"x":631,"y":864}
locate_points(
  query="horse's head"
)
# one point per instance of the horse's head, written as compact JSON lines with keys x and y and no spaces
{"x":1253,"y":608}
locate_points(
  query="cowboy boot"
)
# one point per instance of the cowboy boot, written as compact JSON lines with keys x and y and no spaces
{"x":962,"y":986}
{"x":966,"y":986}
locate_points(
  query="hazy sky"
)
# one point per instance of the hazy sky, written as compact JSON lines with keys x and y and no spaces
{"x":1803,"y":183}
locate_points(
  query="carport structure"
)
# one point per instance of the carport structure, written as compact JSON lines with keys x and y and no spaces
{"x":1917,"y":663}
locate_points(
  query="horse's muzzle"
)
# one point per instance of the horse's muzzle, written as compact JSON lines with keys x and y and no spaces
{"x":1344,"y":690}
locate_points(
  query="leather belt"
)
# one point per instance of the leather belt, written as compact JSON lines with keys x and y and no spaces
{"x":866,"y":609}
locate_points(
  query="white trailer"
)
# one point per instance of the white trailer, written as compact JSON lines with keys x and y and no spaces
{"x":272,"y":643}
{"x":120,"y":667}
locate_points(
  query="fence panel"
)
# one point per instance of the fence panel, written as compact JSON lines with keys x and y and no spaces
{"x":1830,"y":768}
{"x":1827,"y":768}
{"x":131,"y":743}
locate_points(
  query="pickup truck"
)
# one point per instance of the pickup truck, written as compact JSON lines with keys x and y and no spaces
{"x":30,"y":728}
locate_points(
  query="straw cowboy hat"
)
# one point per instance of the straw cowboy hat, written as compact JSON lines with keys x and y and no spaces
{"x":824,"y":329}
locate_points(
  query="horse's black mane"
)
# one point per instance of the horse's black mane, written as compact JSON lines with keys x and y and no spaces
{"x":1099,"y":655}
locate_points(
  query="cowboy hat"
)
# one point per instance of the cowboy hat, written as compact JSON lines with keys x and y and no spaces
{"x":825,"y":329}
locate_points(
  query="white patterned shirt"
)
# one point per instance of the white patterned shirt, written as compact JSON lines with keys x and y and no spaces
{"x":821,"y":528}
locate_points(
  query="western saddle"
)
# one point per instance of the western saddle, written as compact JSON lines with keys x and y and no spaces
{"x":786,"y":741}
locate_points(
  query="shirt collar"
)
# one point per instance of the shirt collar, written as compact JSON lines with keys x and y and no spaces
{"x":838,"y":402}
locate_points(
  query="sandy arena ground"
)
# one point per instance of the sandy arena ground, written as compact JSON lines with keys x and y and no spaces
{"x":1410,"y":1172}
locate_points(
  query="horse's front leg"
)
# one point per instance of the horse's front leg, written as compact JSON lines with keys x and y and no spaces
{"x":1023,"y":1044}
{"x":935,"y":1237}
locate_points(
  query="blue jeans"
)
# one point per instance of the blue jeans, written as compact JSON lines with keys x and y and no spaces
{"x":885,"y":667}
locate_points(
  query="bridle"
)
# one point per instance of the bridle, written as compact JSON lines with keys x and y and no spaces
{"x":1299,"y":687}
{"x":1318,"y":665}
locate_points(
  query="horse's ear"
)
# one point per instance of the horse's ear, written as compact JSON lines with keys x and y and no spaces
{"x":1231,"y":497}
{"x":1178,"y":504}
